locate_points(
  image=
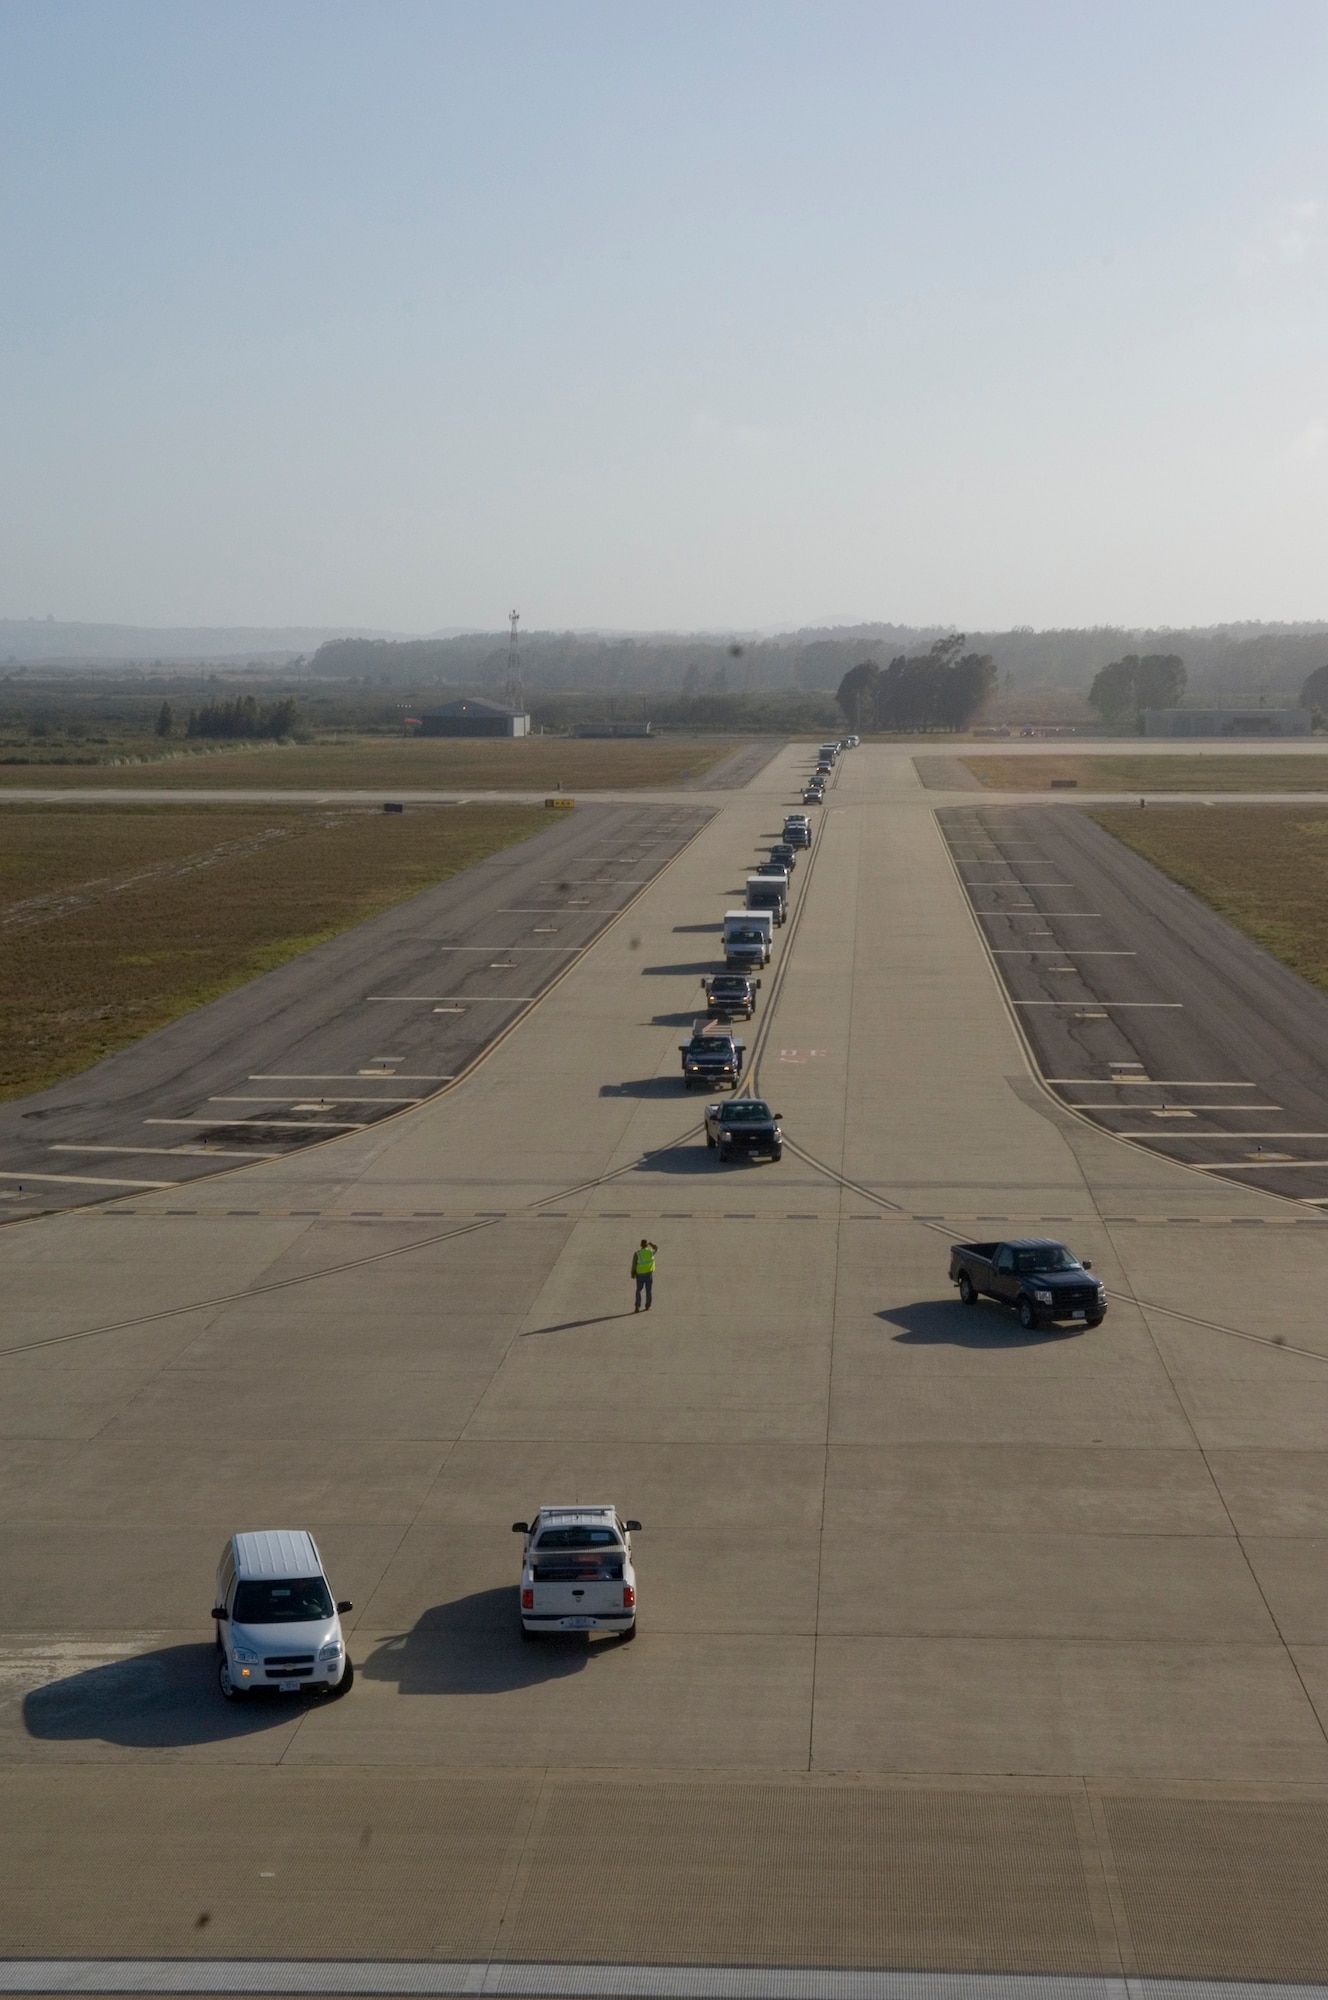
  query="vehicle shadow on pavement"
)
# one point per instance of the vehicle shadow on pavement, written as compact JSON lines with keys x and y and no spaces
{"x":683,"y":929}
{"x":698,"y":967}
{"x":474,"y":1646}
{"x":159,"y":1701}
{"x":945,"y":1323}
{"x":697,"y":1159}
{"x":643,"y":1086}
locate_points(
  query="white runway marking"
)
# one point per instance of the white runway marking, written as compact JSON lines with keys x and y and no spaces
{"x":1098,"y":1003}
{"x":173,"y":1152}
{"x":1150,"y":1083}
{"x":342,"y":1097}
{"x":268,"y":1124}
{"x":86,"y":1180}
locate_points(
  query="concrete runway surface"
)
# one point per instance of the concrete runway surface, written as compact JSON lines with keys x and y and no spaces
{"x":384,"y":1016}
{"x":962,"y":1651}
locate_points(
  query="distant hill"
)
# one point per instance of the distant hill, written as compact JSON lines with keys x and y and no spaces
{"x":47,"y":641}
{"x":1239,"y":660}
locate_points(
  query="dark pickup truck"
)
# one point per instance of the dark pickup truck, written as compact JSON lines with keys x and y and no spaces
{"x":713,"y":1056}
{"x":745,"y":1126}
{"x":1040,"y":1278}
{"x":729,"y":994}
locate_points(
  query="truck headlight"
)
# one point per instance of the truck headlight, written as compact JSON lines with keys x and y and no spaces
{"x":239,"y":1653}
{"x":330,"y":1652}
{"x":1044,"y":1298}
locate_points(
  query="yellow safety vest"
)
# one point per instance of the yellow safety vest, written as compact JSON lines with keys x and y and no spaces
{"x":643,"y":1263}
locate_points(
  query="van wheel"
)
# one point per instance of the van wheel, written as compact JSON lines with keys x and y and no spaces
{"x":1028,"y":1319}
{"x":347,"y":1681}
{"x":229,"y":1691}
{"x":968,"y":1291}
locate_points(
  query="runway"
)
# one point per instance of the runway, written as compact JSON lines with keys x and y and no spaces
{"x":962,"y":1650}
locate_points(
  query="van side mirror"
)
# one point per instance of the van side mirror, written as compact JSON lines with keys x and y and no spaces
{"x":219,"y":1611}
{"x":520,"y":1527}
{"x":632,"y":1527}
{"x":344,"y":1605}
{"x":1088,"y":1263}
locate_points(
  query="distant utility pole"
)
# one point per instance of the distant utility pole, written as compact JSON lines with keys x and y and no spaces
{"x":513,"y":693}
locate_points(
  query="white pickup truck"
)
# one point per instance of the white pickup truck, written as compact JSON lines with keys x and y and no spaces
{"x":576,"y":1572}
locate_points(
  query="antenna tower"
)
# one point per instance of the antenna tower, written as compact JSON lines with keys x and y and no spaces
{"x":513,"y":694}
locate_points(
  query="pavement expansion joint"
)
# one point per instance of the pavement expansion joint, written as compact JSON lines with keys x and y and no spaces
{"x":533,"y":1980}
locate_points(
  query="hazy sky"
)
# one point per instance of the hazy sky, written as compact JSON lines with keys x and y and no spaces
{"x":711,"y":314}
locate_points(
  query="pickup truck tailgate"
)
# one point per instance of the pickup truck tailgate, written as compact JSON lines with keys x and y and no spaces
{"x":571,"y":1584}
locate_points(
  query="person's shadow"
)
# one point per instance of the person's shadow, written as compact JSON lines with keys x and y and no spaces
{"x":158,"y":1701}
{"x":947,"y":1323}
{"x":473,"y":1645}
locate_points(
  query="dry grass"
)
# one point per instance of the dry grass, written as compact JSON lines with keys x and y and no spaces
{"x":1194,"y":773}
{"x":1264,"y":868}
{"x":384,"y":764}
{"x":115,"y":920}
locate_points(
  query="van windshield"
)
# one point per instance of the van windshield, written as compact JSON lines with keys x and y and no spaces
{"x":282,"y":1601}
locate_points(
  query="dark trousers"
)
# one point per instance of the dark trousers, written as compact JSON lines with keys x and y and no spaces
{"x":645,"y":1282}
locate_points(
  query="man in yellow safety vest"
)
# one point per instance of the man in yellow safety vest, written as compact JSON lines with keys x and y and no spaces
{"x":643,"y":1270}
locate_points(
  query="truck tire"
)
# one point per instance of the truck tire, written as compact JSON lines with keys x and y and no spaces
{"x":777,"y":1154}
{"x":710,"y":1142}
{"x":1028,"y":1318}
{"x":1095,"y":1319}
{"x":968,"y":1291}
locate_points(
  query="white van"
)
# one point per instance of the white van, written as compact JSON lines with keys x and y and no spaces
{"x":747,"y":937}
{"x":277,"y":1624}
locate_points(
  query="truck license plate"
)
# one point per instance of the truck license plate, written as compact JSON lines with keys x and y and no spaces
{"x":578,"y":1624}
{"x":289,"y":1687}
{"x":1079,"y":1313}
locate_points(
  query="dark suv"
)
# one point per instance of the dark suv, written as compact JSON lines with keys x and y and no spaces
{"x":783,"y":853}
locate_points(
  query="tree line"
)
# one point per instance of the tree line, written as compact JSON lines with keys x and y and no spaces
{"x":943,"y":688}
{"x":243,"y":718}
{"x":1124,"y":688}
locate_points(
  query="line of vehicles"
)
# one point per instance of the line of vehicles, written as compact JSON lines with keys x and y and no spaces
{"x":277,"y":1623}
{"x":713,"y":1054}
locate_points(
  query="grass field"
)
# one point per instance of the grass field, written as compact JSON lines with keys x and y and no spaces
{"x":1264,"y":868}
{"x":1193,"y":773}
{"x":115,"y":920}
{"x":385,"y":763}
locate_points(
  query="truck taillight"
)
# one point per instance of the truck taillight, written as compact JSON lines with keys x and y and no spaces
{"x":527,"y":1600}
{"x":629,"y":1596}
